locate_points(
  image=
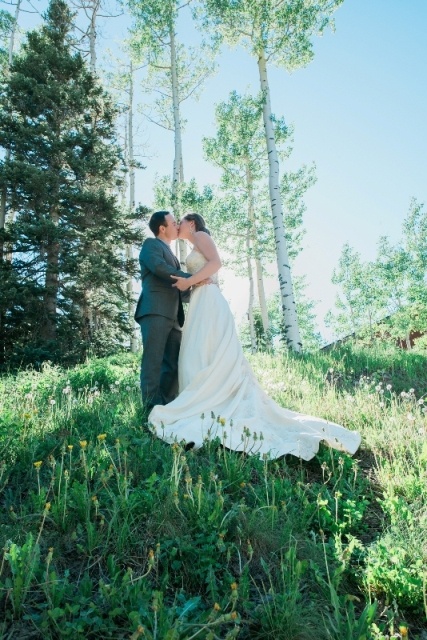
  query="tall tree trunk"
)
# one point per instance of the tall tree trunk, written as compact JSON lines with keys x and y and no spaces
{"x":258,"y":266}
{"x":93,"y":34}
{"x":178,"y":165}
{"x":251,"y":293}
{"x":90,"y":320}
{"x":290,"y":319}
{"x":129,"y":256}
{"x":3,"y":195}
{"x":50,"y":297}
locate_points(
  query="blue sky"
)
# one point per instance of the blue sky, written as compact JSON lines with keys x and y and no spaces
{"x":359,"y":113}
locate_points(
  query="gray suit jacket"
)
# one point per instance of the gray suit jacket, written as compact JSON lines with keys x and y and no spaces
{"x":158,"y":296}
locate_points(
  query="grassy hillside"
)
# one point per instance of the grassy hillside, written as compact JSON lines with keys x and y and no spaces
{"x":107,"y":532}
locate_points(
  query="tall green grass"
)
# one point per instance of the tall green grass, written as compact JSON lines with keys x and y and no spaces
{"x":107,"y":532}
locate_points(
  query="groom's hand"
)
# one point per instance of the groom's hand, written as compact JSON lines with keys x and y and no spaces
{"x":181,"y":283}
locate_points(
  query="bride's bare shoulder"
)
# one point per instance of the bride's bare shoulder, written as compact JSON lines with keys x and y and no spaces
{"x":202,"y":239}
{"x":204,"y":244}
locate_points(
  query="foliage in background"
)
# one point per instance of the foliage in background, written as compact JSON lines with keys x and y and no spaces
{"x":6,"y":24}
{"x":385,"y":297}
{"x":64,"y":293}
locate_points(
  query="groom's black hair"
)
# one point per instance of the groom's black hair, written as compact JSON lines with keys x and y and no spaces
{"x":157,"y":220}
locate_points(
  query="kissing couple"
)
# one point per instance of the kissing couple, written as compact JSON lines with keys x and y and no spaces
{"x":193,"y":370}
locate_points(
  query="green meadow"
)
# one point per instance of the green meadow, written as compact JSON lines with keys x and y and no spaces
{"x":108,"y":532}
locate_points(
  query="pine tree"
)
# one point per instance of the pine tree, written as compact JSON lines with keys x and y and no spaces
{"x":62,"y":177}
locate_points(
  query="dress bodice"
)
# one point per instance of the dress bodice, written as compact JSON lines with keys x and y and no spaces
{"x":196,"y":261}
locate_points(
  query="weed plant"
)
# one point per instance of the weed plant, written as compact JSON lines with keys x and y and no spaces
{"x":108,"y":532}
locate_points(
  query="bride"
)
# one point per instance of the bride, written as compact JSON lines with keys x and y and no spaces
{"x":219,"y":394}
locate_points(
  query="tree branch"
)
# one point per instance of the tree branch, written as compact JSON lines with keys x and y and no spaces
{"x":159,"y":124}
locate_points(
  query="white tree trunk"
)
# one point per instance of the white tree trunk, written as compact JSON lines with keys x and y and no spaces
{"x":7,"y":155}
{"x":94,"y":5}
{"x":129,"y":251}
{"x":262,"y":298}
{"x":251,"y":293}
{"x":291,"y":330}
{"x":178,"y":165}
{"x":258,"y":266}
{"x":130,"y":142}
{"x":13,"y":32}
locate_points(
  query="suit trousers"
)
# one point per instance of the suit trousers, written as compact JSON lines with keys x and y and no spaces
{"x":161,"y":341}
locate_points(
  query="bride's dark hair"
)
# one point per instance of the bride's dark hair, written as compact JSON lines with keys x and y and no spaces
{"x":199,"y":222}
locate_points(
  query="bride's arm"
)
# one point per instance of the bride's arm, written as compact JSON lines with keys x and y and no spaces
{"x":203,"y":243}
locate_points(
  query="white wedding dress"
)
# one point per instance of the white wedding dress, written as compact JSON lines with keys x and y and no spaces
{"x":215,"y":378}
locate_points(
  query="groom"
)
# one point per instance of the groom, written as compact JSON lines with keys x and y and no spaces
{"x":160,"y":313}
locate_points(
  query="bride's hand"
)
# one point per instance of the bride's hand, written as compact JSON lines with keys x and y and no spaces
{"x":181,"y":283}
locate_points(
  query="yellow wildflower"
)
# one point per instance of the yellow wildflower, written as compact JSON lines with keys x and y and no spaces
{"x":83,"y":444}
{"x":101,"y":437}
{"x":38,"y":464}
